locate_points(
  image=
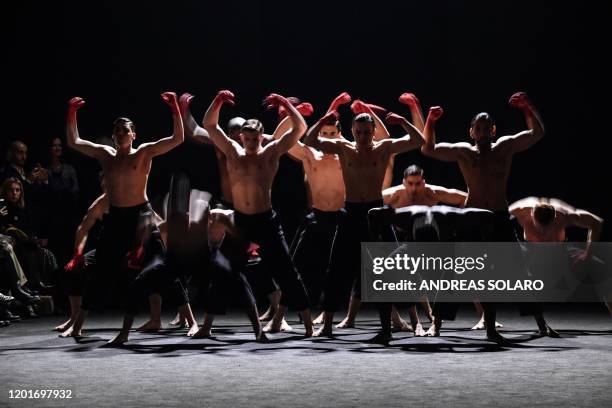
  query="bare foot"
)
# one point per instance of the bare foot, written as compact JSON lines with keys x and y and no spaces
{"x":433,"y":331}
{"x":401,"y":325}
{"x":268,"y":315}
{"x":319,"y":319}
{"x":418,"y":330}
{"x":480,"y":325}
{"x":70,"y":332}
{"x":201,"y":334}
{"x":547,"y":331}
{"x":273,"y":327}
{"x":346,"y":324}
{"x":178,"y":321}
{"x":150,"y":327}
{"x":193,"y":330}
{"x":120,"y":338}
{"x":323,"y":332}
{"x":64,"y":326}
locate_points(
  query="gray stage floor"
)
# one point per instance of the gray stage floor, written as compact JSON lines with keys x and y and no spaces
{"x":459,"y":369}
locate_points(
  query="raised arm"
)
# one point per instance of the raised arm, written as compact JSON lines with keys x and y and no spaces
{"x":412,"y":140}
{"x":94,"y":150}
{"x":440,"y":151}
{"x":192,"y":130}
{"x":166,"y":144}
{"x":524,"y":140}
{"x":211,"y":123}
{"x":449,"y":195}
{"x":312,"y":139}
{"x":299,"y":150}
{"x":340,"y":100}
{"x":296,"y":121}
{"x":381,"y":131}
{"x":410,"y":100}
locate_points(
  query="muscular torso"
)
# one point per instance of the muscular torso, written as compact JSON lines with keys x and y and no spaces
{"x":325,"y":180}
{"x":251,"y":178}
{"x":486,"y":174}
{"x":126,"y":178}
{"x":363,"y":172}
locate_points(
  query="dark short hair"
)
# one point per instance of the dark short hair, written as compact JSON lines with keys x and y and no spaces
{"x":544,"y":214}
{"x":253,"y":124}
{"x":364,"y":118}
{"x":121,"y":121}
{"x":333,"y":122}
{"x":483,"y":116}
{"x":413,"y":170}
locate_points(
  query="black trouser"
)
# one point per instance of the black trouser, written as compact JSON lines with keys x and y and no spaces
{"x":345,"y":264}
{"x":220,"y":275}
{"x":265,"y":230}
{"x":109,"y":273}
{"x":156,"y":277}
{"x":75,"y":281}
{"x":504,"y":232}
{"x":312,"y":249}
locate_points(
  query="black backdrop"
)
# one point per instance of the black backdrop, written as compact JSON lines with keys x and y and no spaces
{"x":467,"y":57}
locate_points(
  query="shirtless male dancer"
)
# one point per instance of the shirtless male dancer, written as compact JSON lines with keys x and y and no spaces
{"x":76,"y":266}
{"x":546,"y":219}
{"x":485,"y":167}
{"x":234,"y":127}
{"x":363,"y":163}
{"x":413,"y":104}
{"x":251,"y":169}
{"x":126,"y":171}
{"x":325,"y":186}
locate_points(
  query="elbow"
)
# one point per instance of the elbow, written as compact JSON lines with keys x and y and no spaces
{"x":301,"y":128}
{"x":427,"y":149}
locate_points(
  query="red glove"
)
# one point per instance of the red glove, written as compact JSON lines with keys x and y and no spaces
{"x":171,"y":100}
{"x":361,"y":107}
{"x":341,"y":99}
{"x":519,"y":100}
{"x":435,"y":112}
{"x":394,"y":119}
{"x":75,"y":263}
{"x":225,"y":97}
{"x":409,"y":99}
{"x":185,"y":101}
{"x":252,"y":250}
{"x":135,"y":258}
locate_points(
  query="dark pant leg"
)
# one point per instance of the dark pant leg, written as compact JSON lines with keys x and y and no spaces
{"x":341,"y":272}
{"x":265,"y":230}
{"x":312,"y":251}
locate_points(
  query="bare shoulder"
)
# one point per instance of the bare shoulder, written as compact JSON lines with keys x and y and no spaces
{"x":394,"y":190}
